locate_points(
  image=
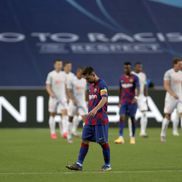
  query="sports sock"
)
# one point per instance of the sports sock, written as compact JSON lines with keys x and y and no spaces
{"x":83,"y":152}
{"x":165,"y":123}
{"x":133,"y":126}
{"x":75,"y":124}
{"x":121,"y":127}
{"x":52,"y":125}
{"x":106,"y":153}
{"x":65,"y":124}
{"x":143,"y":123}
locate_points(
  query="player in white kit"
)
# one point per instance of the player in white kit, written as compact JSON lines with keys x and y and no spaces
{"x":173,"y":99}
{"x":77,"y":105}
{"x":56,"y":88}
{"x":175,"y":117}
{"x":142,"y":97}
{"x":69,"y":78}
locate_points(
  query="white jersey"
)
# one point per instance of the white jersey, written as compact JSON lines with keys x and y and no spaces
{"x":57,"y":81}
{"x":142,"y":81}
{"x":78,"y":86}
{"x":69,"y":78}
{"x":175,"y":80}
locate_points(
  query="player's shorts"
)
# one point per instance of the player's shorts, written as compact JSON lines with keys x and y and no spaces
{"x":170,"y":104}
{"x":56,"y":105}
{"x":95,"y":133}
{"x":142,"y":103}
{"x":77,"y":110}
{"x":128,"y":109}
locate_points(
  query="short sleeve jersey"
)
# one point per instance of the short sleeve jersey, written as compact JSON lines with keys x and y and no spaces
{"x":96,"y":92}
{"x":128,"y":84}
{"x":57,"y":81}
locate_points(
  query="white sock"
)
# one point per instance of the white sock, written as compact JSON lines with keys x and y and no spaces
{"x":65,"y":124}
{"x":60,"y":126}
{"x":165,"y":124}
{"x":52,"y":125}
{"x":70,"y":125}
{"x":76,"y":122}
{"x":143,"y":123}
{"x":181,"y":122}
{"x":175,"y":125}
{"x":129,"y":127}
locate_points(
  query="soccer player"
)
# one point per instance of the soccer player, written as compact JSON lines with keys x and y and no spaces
{"x":96,"y":124}
{"x":142,"y":98}
{"x":173,"y":99}
{"x":70,"y":76}
{"x":77,"y":105}
{"x":56,"y":88}
{"x":175,"y":116}
{"x":128,"y":93}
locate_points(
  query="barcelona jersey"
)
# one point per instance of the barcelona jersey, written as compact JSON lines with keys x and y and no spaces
{"x":128,"y":85}
{"x":96,"y":92}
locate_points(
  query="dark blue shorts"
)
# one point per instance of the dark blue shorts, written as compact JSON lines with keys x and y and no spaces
{"x":95,"y":133}
{"x":128,"y":109}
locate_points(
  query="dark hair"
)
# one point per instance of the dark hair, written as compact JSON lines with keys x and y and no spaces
{"x":88,"y":70}
{"x":127,"y":63}
{"x":176,"y":60}
{"x":138,"y":63}
{"x":57,"y":60}
{"x":66,"y":62}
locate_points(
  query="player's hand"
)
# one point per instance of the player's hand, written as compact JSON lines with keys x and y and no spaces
{"x":92,"y":113}
{"x":134,"y":101}
{"x":52,"y":95}
{"x":175,"y":96}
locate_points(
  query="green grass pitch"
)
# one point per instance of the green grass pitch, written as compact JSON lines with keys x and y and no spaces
{"x":29,"y":155}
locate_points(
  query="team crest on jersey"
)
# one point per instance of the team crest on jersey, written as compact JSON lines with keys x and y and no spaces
{"x":131,"y":80}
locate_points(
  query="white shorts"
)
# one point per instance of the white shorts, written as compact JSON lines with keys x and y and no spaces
{"x":170,"y":104}
{"x":77,"y":110}
{"x":142,"y":103}
{"x":56,"y":105}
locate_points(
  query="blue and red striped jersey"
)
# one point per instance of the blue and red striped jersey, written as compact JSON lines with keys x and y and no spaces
{"x":128,"y":84}
{"x":96,"y":92}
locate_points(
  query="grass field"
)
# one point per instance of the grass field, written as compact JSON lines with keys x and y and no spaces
{"x":29,"y":155}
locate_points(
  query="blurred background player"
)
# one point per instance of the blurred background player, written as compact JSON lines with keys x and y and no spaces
{"x":128,"y":92}
{"x":96,"y":125}
{"x":56,"y":88}
{"x":142,"y":98}
{"x":175,"y":116}
{"x":173,"y":99}
{"x":77,"y":104}
{"x":67,"y":67}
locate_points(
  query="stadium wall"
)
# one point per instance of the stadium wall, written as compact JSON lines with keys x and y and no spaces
{"x":27,"y":108}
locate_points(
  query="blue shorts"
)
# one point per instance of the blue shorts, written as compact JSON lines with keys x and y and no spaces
{"x":95,"y":133}
{"x":128,"y":109}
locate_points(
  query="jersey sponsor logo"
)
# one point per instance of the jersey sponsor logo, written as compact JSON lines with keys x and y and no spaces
{"x":92,"y":96}
{"x":127,"y":85}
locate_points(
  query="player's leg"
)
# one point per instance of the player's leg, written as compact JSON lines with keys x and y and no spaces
{"x":101,"y":133}
{"x":52,"y":110}
{"x":142,"y":105}
{"x":71,"y":114}
{"x":132,"y":108}
{"x":170,"y":104}
{"x":175,"y":122}
{"x":120,"y":139}
{"x":88,"y":134}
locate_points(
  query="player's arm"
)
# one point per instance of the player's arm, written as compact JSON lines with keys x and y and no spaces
{"x":145,"y":87}
{"x":49,"y":90}
{"x":167,"y":87}
{"x":71,"y":95}
{"x":120,"y":92}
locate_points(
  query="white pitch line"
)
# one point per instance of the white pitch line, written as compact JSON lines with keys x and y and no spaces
{"x":89,"y":172}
